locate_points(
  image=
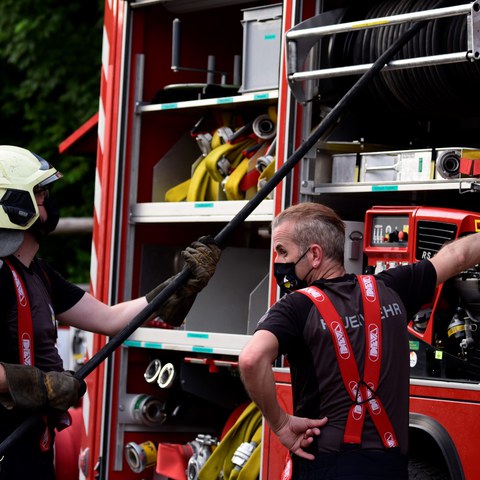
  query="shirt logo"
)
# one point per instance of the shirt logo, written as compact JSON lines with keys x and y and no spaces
{"x":341,"y":340}
{"x":369,"y":289}
{"x":373,"y":336}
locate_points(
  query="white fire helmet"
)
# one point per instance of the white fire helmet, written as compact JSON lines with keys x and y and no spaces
{"x":20,"y":172}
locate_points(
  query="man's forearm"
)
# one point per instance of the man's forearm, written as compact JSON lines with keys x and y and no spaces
{"x":260,"y":385}
{"x":457,"y":256}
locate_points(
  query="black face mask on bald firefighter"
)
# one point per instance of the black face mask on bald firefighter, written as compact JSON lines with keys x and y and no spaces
{"x":286,"y":277}
{"x":42,"y":228}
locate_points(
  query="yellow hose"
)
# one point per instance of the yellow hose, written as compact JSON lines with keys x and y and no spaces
{"x":247,"y":428}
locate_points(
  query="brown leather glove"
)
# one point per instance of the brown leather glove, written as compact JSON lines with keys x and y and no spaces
{"x":31,"y":389}
{"x":201,"y":257}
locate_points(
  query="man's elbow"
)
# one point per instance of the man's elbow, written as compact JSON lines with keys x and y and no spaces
{"x":247,"y":361}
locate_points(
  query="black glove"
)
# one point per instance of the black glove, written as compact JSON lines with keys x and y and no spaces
{"x":32,"y":389}
{"x":201,"y":257}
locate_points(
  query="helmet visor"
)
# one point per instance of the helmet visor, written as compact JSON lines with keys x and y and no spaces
{"x":49,"y":180}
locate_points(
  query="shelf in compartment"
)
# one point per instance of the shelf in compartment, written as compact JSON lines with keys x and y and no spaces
{"x":144,"y":3}
{"x":164,"y":212}
{"x":188,"y":341}
{"x":463,"y":184}
{"x":246,"y":98}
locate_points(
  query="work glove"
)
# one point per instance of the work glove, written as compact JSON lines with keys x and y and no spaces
{"x":201,"y":257}
{"x":32,"y":389}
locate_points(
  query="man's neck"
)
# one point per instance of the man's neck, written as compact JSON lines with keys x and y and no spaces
{"x":28,"y":249}
{"x":329,"y":270}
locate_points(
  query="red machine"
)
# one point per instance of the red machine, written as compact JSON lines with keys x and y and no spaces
{"x":398,"y":235}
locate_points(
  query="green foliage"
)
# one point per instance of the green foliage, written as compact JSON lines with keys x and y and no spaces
{"x":50,"y":58}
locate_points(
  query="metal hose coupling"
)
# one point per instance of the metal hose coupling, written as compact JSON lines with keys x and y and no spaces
{"x":223,"y":166}
{"x":204,"y":142}
{"x":448,"y":164}
{"x":140,"y":456}
{"x":141,"y":409}
{"x":264,"y":127}
{"x":202,"y":448}
{"x":167,"y":375}
{"x":264,"y":162}
{"x":153,"y":371}
{"x":243,"y":453}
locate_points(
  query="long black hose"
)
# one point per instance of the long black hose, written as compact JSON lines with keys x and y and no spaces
{"x":239,"y":218}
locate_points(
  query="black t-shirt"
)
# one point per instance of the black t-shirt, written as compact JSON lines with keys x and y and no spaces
{"x":49,"y":294}
{"x":304,"y":338}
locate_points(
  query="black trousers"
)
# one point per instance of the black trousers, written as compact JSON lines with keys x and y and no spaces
{"x":352,"y":465}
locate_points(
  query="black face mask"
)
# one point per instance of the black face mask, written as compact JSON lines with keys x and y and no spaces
{"x":286,"y":277}
{"x":42,"y":229}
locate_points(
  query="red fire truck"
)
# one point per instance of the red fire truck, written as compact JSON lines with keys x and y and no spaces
{"x":249,"y":81}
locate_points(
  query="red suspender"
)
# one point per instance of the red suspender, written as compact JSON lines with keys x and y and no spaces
{"x":362,"y":391}
{"x":25,"y":348}
{"x":373,"y":359}
{"x":25,"y":327}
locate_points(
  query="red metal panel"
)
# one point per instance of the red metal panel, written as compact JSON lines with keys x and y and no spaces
{"x":102,"y":229}
{"x":274,"y":454}
{"x":282,"y":124}
{"x":461,"y":419}
{"x":445,"y":393}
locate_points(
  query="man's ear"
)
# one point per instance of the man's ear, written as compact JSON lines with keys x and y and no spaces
{"x":317,"y":254}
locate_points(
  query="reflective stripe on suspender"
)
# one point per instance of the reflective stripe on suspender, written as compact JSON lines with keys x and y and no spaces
{"x":361,"y":391}
{"x":25,"y":326}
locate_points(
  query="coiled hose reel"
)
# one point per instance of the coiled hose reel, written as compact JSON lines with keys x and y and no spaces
{"x":435,"y":90}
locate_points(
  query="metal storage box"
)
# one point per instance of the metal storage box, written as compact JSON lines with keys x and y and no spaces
{"x":344,"y":168}
{"x":262,"y":28}
{"x":396,"y":166}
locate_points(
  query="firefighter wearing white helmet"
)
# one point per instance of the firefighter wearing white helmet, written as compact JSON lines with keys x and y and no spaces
{"x":33,"y":296}
{"x":22,"y":173}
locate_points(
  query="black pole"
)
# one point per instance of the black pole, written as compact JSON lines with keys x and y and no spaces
{"x":239,"y":218}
